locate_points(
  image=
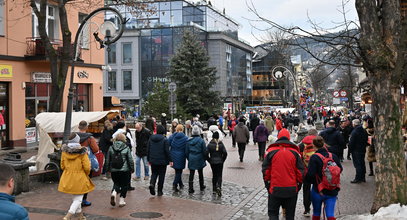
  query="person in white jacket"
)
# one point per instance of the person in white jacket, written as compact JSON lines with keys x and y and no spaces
{"x":212,"y":129}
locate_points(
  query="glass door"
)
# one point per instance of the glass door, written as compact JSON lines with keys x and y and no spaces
{"x":4,"y":129}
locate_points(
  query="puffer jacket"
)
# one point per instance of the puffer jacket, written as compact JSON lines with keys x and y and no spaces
{"x":195,"y":153}
{"x":241,"y":133}
{"x":119,"y":146}
{"x":158,"y":150}
{"x":178,"y":143}
{"x":358,"y":140}
{"x":260,"y":134}
{"x":10,"y":210}
{"x":142,"y":138}
{"x":212,"y":129}
{"x":216,"y":152}
{"x":269,"y":123}
{"x":333,"y":139}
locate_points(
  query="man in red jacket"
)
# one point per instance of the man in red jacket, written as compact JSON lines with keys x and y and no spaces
{"x":279,"y":123}
{"x":283,"y":171}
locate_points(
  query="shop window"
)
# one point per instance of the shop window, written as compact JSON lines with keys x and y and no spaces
{"x":111,"y":54}
{"x":111,"y":81}
{"x":126,"y":53}
{"x":127,"y":81}
{"x":81,"y":98}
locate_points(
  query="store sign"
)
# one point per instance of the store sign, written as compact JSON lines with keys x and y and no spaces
{"x":30,"y":134}
{"x":6,"y":71}
{"x":41,"y":77}
{"x":83,"y":74}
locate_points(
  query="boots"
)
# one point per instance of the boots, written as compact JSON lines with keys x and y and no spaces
{"x":191,"y":187}
{"x":316,"y":217}
{"x":68,"y":216}
{"x":152,"y":189}
{"x":202,"y":185}
{"x":121,"y":202}
{"x":81,"y":216}
{"x":113,"y":198}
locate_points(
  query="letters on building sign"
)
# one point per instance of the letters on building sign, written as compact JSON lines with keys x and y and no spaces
{"x":83,"y":74}
{"x":157,"y":79}
{"x":6,"y":71}
{"x":41,"y":77}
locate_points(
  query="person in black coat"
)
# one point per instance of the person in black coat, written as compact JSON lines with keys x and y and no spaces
{"x":105,"y":141}
{"x":164,"y":121}
{"x":216,"y":155}
{"x":333,"y":138}
{"x":142,"y":137}
{"x":254,"y":122}
{"x":159,"y":157}
{"x":357,"y":147}
{"x":345,"y":129}
{"x":150,"y":124}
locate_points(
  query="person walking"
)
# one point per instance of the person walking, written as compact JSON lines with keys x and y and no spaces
{"x":88,"y":141}
{"x":159,"y":157}
{"x":357,"y":147}
{"x":231,"y":126}
{"x":333,"y":138}
{"x":279,"y":123}
{"x":307,"y":149}
{"x":164,"y":121}
{"x":216,"y":155}
{"x":9,"y":209}
{"x":283,"y":172}
{"x":105,"y":142}
{"x":174,"y":124}
{"x":345,"y":129}
{"x":269,"y":123}
{"x":211,"y":130}
{"x":254,"y":122}
{"x":178,"y":142}
{"x":320,"y":193}
{"x":242,"y":136}
{"x":260,"y":136}
{"x":142,"y":137}
{"x":195,"y":153}
{"x":75,"y":178}
{"x":221,"y":122}
{"x":150,"y":124}
{"x":120,"y":164}
{"x":301,"y":133}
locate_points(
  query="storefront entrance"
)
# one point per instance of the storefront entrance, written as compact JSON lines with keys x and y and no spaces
{"x":4,"y":128}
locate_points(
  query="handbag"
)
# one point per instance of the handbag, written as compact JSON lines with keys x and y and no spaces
{"x":94,"y":164}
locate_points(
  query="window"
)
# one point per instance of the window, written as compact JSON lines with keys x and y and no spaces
{"x":111,"y":81}
{"x":51,"y":23}
{"x":127,"y":82}
{"x":84,"y":39}
{"x":127,"y":53}
{"x":111,"y":54}
{"x":2,"y":15}
{"x":81,"y":98}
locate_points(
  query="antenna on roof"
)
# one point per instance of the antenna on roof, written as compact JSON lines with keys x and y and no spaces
{"x":224,"y":11}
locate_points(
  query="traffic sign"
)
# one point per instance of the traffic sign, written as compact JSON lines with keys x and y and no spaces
{"x":172,"y":86}
{"x":343,"y":93}
{"x":344,"y":99}
{"x":336,"y":94}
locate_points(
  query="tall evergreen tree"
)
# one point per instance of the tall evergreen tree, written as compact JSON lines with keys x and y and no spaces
{"x":157,"y":101}
{"x":189,"y":69}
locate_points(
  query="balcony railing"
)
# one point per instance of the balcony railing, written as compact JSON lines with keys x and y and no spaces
{"x":35,"y":46}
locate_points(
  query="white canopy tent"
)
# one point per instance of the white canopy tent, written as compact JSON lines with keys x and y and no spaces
{"x":54,"y":122}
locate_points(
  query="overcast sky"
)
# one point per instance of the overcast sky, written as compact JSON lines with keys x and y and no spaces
{"x":286,"y":13}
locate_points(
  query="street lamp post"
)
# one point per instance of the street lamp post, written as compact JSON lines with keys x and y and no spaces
{"x":109,"y":39}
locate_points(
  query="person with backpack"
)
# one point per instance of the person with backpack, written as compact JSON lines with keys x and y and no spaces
{"x":324,"y":170}
{"x":89,"y":142}
{"x":307,"y":149}
{"x":195,"y":153}
{"x":178,"y":142}
{"x":75,"y":179}
{"x":216,"y":155}
{"x":283,"y":172}
{"x":120,"y":164}
{"x":159,"y":157}
{"x":260,"y":136}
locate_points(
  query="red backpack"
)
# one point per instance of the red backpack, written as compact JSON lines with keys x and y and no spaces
{"x":331,"y":173}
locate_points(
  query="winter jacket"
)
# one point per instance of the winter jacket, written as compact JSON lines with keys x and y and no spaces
{"x":314,"y":173}
{"x":119,"y":146}
{"x":178,"y":142}
{"x":150,"y":125}
{"x":269,"y":123}
{"x":164,"y":122}
{"x":301,"y":134}
{"x":129,"y":138}
{"x":213,"y":129}
{"x":211,"y":121}
{"x":333,"y":139}
{"x":241,"y":133}
{"x":10,"y":210}
{"x":283,"y":169}
{"x":232,"y":124}
{"x":158,"y":150}
{"x":87,"y":140}
{"x":142,"y":138}
{"x":105,"y":140}
{"x":346,"y":131}
{"x":307,"y":149}
{"x":216,"y":152}
{"x":358,"y":140}
{"x":195,"y":153}
{"x":76,"y":166}
{"x":260,"y":134}
{"x":279,"y":124}
{"x":254,"y":122}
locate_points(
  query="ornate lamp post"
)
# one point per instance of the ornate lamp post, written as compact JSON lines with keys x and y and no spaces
{"x":111,"y":32}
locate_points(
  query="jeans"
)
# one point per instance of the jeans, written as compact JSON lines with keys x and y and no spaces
{"x":178,"y":177}
{"x":359,"y":164}
{"x":138,"y":163}
{"x":306,"y":195}
{"x":217,"y":175}
{"x":288,"y":204}
{"x":262,"y":148}
{"x":76,"y":204}
{"x":242,"y":148}
{"x":191,"y":178}
{"x":318,"y":199}
{"x":158,"y":171}
{"x":121,"y":182}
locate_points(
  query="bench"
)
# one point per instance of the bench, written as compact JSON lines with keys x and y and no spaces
{"x":49,"y":168}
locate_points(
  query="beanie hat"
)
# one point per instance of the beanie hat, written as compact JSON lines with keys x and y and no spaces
{"x":196,"y":130}
{"x":215,"y":135}
{"x":160,"y":129}
{"x":241,"y":119}
{"x":283,"y":133}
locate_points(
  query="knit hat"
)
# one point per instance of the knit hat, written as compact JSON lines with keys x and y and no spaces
{"x":160,"y":129}
{"x":175,"y":120}
{"x":188,"y":122}
{"x":215,"y":135}
{"x":163,"y":114}
{"x":76,"y":139}
{"x":283,"y":133}
{"x":196,"y":130}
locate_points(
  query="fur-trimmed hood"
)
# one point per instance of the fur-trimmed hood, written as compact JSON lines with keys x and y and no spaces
{"x":74,"y":149}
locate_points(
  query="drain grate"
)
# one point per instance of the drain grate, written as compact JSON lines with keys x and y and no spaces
{"x":146,"y":215}
{"x":236,"y":168}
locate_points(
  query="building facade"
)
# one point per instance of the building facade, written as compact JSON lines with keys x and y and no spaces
{"x":25,"y":79}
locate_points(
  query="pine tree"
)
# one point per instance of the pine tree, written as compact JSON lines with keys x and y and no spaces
{"x":189,"y":69}
{"x":157,"y":101}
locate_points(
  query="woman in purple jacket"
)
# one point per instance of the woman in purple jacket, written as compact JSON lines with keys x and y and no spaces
{"x":260,"y":136}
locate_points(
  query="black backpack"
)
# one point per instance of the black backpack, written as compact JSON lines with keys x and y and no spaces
{"x":117,"y":160}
